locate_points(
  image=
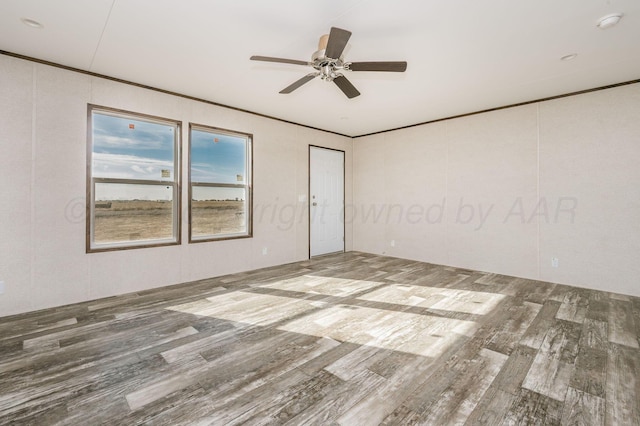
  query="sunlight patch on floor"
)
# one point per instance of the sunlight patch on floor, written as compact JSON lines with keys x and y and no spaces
{"x":445,"y":299}
{"x":419,"y":334}
{"x":250,"y":308}
{"x":400,"y":331}
{"x":329,"y":286}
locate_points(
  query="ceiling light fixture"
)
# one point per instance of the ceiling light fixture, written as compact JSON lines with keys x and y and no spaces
{"x":31,"y":23}
{"x":609,"y":21}
{"x":569,"y":57}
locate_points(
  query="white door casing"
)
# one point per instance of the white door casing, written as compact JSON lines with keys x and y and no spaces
{"x":326,"y":201}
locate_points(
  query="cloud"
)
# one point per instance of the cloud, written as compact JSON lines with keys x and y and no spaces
{"x":212,"y":174}
{"x":111,"y":133}
{"x":120,"y":166}
{"x":203,"y":139}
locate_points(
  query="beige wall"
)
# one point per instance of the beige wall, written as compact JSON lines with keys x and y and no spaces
{"x":516,"y":187}
{"x":502,"y":192}
{"x":43,"y":123}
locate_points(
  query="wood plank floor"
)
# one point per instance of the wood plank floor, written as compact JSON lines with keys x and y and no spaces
{"x":351,"y":339}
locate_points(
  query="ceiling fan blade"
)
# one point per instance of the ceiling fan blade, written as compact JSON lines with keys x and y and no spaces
{"x":307,"y":78}
{"x":378,"y":66}
{"x":338,"y":39}
{"x":280,"y":60}
{"x":346,"y":86}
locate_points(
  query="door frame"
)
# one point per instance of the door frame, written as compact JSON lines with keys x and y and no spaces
{"x":344,"y":195}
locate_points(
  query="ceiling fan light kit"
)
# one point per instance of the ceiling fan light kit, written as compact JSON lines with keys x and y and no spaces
{"x":329,"y":63}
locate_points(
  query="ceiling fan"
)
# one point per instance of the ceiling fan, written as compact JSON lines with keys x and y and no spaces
{"x":328,"y":63}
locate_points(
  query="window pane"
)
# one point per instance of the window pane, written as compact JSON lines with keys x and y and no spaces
{"x":128,"y":148}
{"x":218,"y":211}
{"x":218,"y":158}
{"x":128,"y":212}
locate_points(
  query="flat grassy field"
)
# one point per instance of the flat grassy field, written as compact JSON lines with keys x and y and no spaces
{"x":118,"y":221}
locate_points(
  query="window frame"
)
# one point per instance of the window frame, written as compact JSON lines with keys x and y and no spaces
{"x":248,"y":186}
{"x":175,"y":183}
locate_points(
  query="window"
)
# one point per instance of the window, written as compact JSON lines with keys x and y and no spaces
{"x":220,"y":184}
{"x":133,"y":180}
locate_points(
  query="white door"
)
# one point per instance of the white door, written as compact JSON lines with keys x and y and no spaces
{"x":326,"y":201}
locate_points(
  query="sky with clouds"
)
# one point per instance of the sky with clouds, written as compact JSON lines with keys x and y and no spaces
{"x":126,"y":148}
{"x":217,"y":158}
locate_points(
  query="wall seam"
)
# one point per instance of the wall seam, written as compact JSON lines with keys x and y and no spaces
{"x":446,"y":194}
{"x":32,"y":183}
{"x":352,"y":219}
{"x":538,"y":186}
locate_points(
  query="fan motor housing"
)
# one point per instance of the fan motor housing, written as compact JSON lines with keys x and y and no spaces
{"x":327,"y":66}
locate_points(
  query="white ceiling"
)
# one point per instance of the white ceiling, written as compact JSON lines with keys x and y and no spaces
{"x":463,"y":55}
